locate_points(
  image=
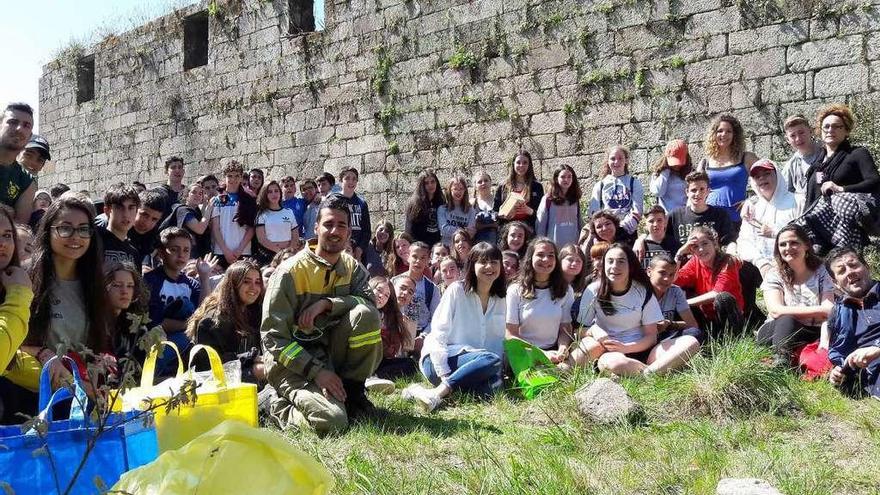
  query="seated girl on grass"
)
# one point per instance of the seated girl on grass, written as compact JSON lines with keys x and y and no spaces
{"x":711,"y":280}
{"x":621,"y":313}
{"x":396,"y":336}
{"x":799,"y":294}
{"x":229,"y":320}
{"x":465,"y":347}
{"x":539,"y":303}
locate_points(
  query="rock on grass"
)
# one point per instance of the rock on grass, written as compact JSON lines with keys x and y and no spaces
{"x":603,"y":401}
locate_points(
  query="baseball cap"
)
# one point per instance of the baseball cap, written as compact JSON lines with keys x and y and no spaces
{"x":761,"y":165}
{"x":39,"y":142}
{"x":676,"y":152}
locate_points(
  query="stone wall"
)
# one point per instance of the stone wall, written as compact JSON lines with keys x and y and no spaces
{"x":396,"y":86}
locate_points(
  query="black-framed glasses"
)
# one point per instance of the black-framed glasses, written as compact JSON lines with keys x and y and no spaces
{"x":65,"y":231}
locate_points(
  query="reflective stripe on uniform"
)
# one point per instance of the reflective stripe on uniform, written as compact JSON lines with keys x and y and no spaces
{"x":368,"y":338}
{"x":290,"y":352}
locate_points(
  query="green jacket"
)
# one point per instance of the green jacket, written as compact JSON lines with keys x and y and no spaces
{"x":305,"y":278}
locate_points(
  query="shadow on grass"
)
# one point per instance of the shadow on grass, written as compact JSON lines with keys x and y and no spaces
{"x":395,"y":423}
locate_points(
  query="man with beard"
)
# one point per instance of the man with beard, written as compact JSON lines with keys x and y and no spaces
{"x":17,"y":186}
{"x":321,"y":329}
{"x":854,"y":324}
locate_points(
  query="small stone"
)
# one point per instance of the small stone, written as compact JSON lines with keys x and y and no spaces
{"x":745,"y":486}
{"x":603,"y":401}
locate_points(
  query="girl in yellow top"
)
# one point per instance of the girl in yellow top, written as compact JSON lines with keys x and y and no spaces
{"x":18,"y":371}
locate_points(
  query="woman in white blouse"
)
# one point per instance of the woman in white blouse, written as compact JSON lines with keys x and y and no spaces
{"x":463,"y":351}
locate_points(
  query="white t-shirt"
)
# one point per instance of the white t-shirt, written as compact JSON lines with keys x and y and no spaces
{"x":538,"y":318}
{"x":278,"y":224}
{"x":628,"y":312}
{"x":232,"y":232}
{"x":808,"y":293}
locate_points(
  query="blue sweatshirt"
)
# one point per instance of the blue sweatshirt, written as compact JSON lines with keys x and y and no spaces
{"x":176,"y":299}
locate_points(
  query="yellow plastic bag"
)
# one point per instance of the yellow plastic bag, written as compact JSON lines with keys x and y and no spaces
{"x":231,"y":458}
{"x":215,"y":401}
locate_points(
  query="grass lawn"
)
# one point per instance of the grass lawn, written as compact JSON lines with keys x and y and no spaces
{"x":726,"y":416}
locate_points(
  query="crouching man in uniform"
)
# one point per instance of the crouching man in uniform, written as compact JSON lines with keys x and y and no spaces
{"x":321,"y":330}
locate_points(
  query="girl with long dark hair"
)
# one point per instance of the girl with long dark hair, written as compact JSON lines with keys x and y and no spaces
{"x":539,"y":302}
{"x":397,"y":342}
{"x":621,"y":313}
{"x":421,"y":209}
{"x":466,"y":344}
{"x":69,"y":291}
{"x":799,"y":294}
{"x":229,"y":320}
{"x":521,"y":181}
{"x":559,"y":215}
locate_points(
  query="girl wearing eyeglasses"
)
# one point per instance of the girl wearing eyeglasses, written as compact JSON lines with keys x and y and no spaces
{"x":842,"y":185}
{"x":229,"y":321}
{"x":69,"y":305}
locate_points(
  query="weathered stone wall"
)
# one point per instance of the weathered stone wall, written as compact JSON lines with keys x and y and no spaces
{"x":396,"y":86}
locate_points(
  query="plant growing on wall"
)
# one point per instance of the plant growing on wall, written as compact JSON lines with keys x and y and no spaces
{"x":380,"y":78}
{"x":462,"y":59}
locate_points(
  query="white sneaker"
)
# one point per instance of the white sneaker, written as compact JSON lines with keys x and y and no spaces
{"x":423,"y":397}
{"x":379,"y":385}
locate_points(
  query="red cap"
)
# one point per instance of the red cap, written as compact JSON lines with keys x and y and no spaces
{"x":760,"y":165}
{"x":676,"y":153}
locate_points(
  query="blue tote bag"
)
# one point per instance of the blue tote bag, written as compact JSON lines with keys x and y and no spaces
{"x":31,"y":462}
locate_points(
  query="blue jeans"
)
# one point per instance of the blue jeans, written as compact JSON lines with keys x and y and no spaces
{"x":477,"y":372}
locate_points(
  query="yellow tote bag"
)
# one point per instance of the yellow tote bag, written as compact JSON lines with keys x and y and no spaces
{"x":215,"y":401}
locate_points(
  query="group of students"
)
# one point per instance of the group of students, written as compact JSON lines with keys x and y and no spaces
{"x":320,"y":308}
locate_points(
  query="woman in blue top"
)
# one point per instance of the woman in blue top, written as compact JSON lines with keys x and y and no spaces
{"x":727,"y":163}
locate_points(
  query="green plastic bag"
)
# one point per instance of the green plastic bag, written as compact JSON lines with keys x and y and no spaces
{"x":533,"y":371}
{"x":233,"y":457}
